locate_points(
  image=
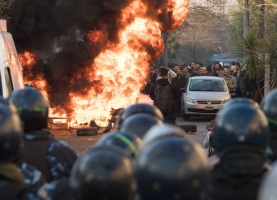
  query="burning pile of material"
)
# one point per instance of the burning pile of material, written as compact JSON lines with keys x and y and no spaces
{"x":90,"y":57}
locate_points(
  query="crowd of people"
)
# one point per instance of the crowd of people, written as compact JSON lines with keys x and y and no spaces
{"x":235,"y":76}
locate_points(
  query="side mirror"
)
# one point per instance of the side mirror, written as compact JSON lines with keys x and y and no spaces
{"x":183,"y":89}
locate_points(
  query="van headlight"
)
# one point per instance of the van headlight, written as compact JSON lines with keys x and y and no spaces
{"x":189,"y":100}
{"x":225,"y":101}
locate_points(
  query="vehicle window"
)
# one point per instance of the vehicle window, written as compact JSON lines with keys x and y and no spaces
{"x":8,"y":80}
{"x":208,"y":85}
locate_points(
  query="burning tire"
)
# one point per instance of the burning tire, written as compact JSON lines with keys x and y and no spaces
{"x":90,"y":131}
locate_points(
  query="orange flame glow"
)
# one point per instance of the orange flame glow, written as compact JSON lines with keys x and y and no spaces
{"x":121,"y":70}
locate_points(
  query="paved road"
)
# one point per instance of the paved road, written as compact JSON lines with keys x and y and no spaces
{"x":83,"y":143}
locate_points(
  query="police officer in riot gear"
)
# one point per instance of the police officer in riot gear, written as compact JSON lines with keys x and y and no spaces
{"x":33,"y":178}
{"x":103,"y":173}
{"x":138,"y":108}
{"x":53,"y":158}
{"x":241,"y":135}
{"x":11,"y":178}
{"x":269,"y":106}
{"x":171,"y":168}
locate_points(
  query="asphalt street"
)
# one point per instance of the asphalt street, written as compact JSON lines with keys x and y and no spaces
{"x":83,"y":143}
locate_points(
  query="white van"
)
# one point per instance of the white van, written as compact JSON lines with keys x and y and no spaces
{"x":11,"y":77}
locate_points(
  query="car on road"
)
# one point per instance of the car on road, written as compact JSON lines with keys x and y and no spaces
{"x":203,"y":96}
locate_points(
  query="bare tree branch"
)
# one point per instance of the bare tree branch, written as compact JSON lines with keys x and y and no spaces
{"x":5,"y":6}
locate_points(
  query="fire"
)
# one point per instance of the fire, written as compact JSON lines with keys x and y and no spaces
{"x":120,"y":70}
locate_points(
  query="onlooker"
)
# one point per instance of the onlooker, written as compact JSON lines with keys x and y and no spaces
{"x":209,"y":71}
{"x":231,"y":82}
{"x":185,"y":74}
{"x":194,"y":72}
{"x":202,"y":71}
{"x":236,"y":76}
{"x":164,"y":94}
{"x":179,"y":83}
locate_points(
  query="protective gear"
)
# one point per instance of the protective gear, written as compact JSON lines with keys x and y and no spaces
{"x":32,"y":107}
{"x":104,"y":172}
{"x":240,"y":124}
{"x":11,"y":132}
{"x":126,"y":141}
{"x":161,"y":131}
{"x":138,"y":108}
{"x":173,"y":168}
{"x":241,"y":136}
{"x":53,"y":158}
{"x":139,"y":124}
{"x":267,"y":190}
{"x":269,"y":106}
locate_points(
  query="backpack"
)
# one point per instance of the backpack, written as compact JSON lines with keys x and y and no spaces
{"x":163,"y":98}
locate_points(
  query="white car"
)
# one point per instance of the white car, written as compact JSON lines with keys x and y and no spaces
{"x":204,"y":96}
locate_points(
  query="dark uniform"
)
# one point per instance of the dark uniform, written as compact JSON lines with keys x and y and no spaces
{"x":53,"y":158}
{"x":241,"y":136}
{"x":12,"y":186}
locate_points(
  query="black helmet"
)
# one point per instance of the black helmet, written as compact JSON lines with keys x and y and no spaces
{"x":161,"y":131}
{"x":241,"y":124}
{"x":139,"y":124}
{"x":173,"y":168}
{"x":11,"y":132}
{"x":267,"y":189}
{"x":269,"y":106}
{"x":104,"y":172}
{"x":127,"y":141}
{"x":32,"y":107}
{"x":138,"y":108}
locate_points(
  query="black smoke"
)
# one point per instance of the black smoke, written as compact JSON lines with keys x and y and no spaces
{"x":57,"y":31}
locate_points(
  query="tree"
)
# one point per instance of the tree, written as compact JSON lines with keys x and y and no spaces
{"x":5,"y":6}
{"x":201,"y":35}
{"x":260,"y":48}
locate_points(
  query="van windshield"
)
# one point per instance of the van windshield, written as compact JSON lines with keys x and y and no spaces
{"x":208,"y":85}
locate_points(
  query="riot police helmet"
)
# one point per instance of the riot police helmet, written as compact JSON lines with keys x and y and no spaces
{"x":32,"y":108}
{"x":241,"y":100}
{"x":138,"y":108}
{"x":241,"y":124}
{"x":104,"y":172}
{"x":173,"y":168}
{"x":139,"y":124}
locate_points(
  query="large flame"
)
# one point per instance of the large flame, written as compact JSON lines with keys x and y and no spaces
{"x":120,"y":71}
